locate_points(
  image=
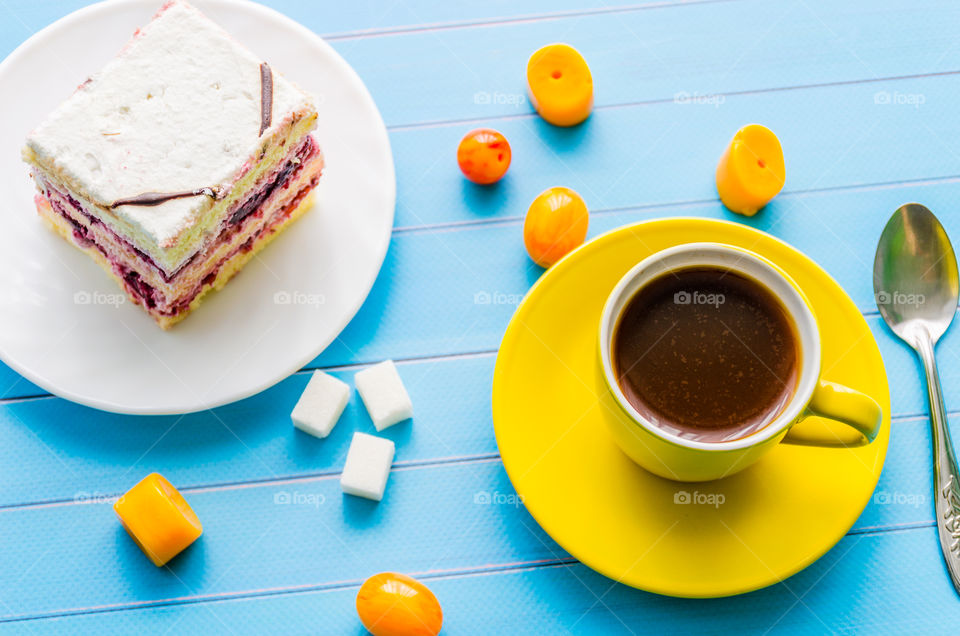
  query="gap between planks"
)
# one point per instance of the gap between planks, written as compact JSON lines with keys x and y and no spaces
{"x":693,"y":204}
{"x":323,"y":475}
{"x":668,"y":100}
{"x":351,"y":366}
{"x":362,"y":34}
{"x":432,"y":575}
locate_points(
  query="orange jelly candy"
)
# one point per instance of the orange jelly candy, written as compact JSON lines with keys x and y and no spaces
{"x":560,"y":84}
{"x":555,"y":224}
{"x":751,"y":171}
{"x":391,"y":604}
{"x":158,"y":518}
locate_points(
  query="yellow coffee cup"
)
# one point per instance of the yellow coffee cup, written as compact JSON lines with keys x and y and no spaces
{"x":665,"y":453}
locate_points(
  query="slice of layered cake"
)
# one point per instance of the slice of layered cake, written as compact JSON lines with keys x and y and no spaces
{"x":177,"y":162}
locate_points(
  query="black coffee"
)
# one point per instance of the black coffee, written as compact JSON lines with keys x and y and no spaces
{"x":707,"y":354}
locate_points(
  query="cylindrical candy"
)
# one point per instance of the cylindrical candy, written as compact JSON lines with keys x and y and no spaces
{"x":158,"y":518}
{"x":751,"y":171}
{"x":560,"y":84}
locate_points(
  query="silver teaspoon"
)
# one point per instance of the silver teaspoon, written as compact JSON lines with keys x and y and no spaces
{"x":915,"y":284}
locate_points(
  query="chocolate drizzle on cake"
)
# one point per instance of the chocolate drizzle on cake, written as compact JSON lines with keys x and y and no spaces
{"x":266,"y":96}
{"x":156,"y":198}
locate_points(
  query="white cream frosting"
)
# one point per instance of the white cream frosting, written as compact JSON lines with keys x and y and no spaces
{"x":178,"y":109}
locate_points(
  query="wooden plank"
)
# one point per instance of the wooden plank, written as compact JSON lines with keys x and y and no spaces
{"x":254,"y":541}
{"x":665,"y":154}
{"x":52,"y":450}
{"x":887,"y":583}
{"x":373,"y":17}
{"x":339,"y":20}
{"x":661,"y":54}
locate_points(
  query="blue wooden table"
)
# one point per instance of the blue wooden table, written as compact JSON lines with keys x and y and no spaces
{"x":865,"y":97}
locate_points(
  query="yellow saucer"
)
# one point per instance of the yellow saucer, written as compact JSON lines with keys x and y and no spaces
{"x":695,"y":540}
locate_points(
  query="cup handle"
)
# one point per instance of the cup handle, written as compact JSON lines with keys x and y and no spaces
{"x":837,"y":402}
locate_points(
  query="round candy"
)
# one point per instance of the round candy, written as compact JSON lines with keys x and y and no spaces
{"x":556,"y":223}
{"x":560,"y":84}
{"x":391,"y":604}
{"x":484,"y":155}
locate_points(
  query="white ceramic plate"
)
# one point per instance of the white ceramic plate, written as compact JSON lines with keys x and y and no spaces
{"x":60,"y":322}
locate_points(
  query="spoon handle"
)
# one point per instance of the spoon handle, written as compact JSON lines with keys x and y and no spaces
{"x":946,"y":477}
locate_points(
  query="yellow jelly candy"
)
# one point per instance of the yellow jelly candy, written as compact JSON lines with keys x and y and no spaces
{"x":158,"y":518}
{"x":560,"y":84}
{"x":751,"y":170}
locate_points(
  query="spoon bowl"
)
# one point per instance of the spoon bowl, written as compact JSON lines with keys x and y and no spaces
{"x":915,"y":276}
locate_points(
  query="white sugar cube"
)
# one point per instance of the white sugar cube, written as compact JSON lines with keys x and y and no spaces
{"x":321,"y":404}
{"x":383,"y":394}
{"x":367,"y":467}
